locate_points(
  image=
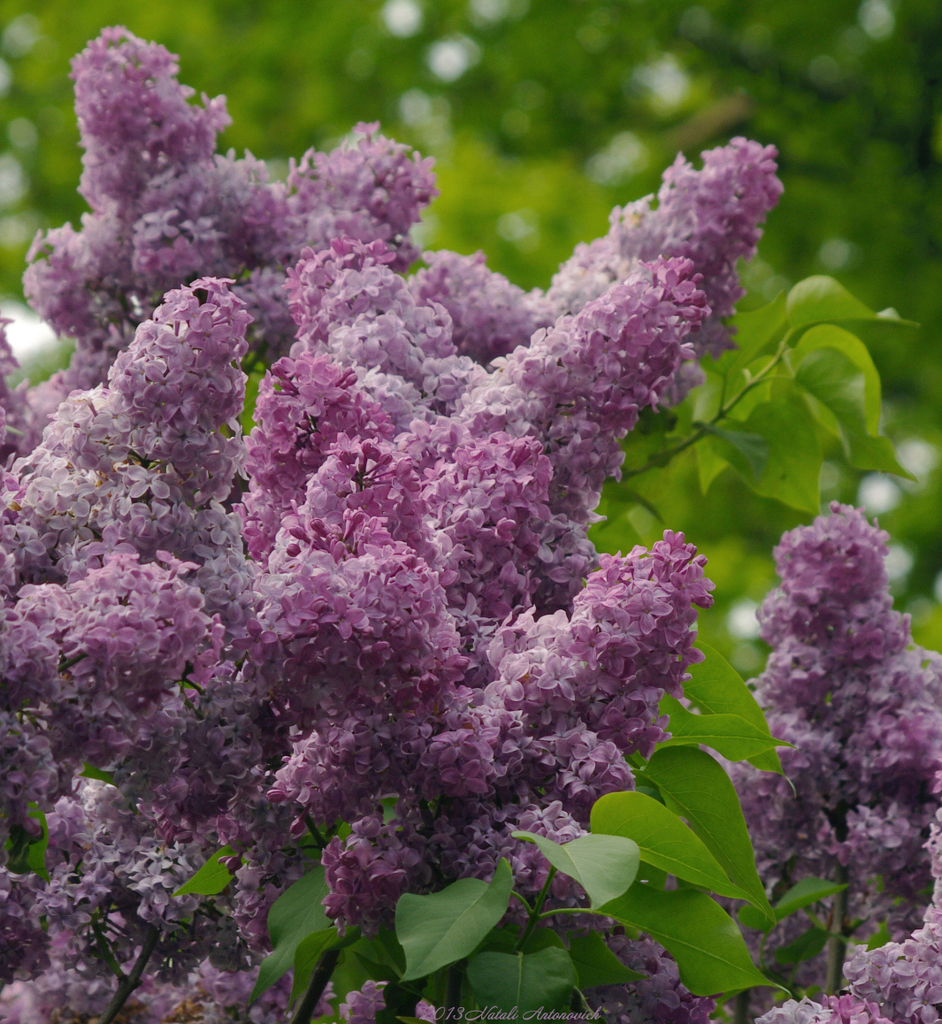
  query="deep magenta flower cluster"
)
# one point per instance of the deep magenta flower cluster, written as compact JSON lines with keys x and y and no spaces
{"x":377,"y":622}
{"x":863,"y":707}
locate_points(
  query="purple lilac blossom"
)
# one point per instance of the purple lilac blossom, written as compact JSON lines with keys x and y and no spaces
{"x":861,"y":705}
{"x":491,"y":316}
{"x":660,"y":998}
{"x":710,"y":216}
{"x":165,"y":209}
{"x":845,"y":1009}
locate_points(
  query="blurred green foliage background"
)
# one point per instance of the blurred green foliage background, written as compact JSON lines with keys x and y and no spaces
{"x":542,"y":115}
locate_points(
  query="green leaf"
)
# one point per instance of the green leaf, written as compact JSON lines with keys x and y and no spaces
{"x":378,"y":971}
{"x":748,"y":452}
{"x":386,"y":940}
{"x":832,"y":337}
{"x":732,"y":736}
{"x":793,"y":466}
{"x":809,"y":944}
{"x":695,"y":786}
{"x":25,"y":853}
{"x":754,"y":331}
{"x":306,"y":956}
{"x":833,"y":379}
{"x":717,"y":688}
{"x":704,"y":940}
{"x":880,"y":937}
{"x":36,"y":859}
{"x":89,"y":771}
{"x":822,"y":298}
{"x":541,"y":938}
{"x":709,"y":464}
{"x":211,"y":878}
{"x":604,"y":865}
{"x":525,"y":981}
{"x":438,"y":929}
{"x":877,"y":453}
{"x":803,"y":894}
{"x":293,"y":916}
{"x":663,"y":839}
{"x":596,"y":964}
{"x":398,"y":999}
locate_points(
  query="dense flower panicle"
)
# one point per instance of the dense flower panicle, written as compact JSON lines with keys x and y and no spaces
{"x":369,"y":188}
{"x":607,"y":666}
{"x":905,"y":978}
{"x":30,"y":773}
{"x":710,"y":216}
{"x":490,"y":316}
{"x":134,"y":118}
{"x":303,"y":406}
{"x":349,"y":303}
{"x":180,"y":381}
{"x":142,"y":464}
{"x":862,"y":708}
{"x":15,"y":416}
{"x":846,"y":1009}
{"x":488,"y":500}
{"x":580,"y":386}
{"x":131,"y":629}
{"x":167,"y":209}
{"x":104,"y":866}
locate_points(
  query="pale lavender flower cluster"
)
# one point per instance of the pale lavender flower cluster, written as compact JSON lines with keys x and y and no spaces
{"x":381,"y":609}
{"x":165,"y":209}
{"x":844,"y":1009}
{"x":710,"y":216}
{"x":863,"y":708}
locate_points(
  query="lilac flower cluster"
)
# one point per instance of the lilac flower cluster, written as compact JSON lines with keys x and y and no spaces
{"x":844,"y":1009}
{"x":381,"y":609}
{"x":863,"y":707}
{"x":165,"y":209}
{"x":905,"y":977}
{"x":710,"y":216}
{"x":660,"y":997}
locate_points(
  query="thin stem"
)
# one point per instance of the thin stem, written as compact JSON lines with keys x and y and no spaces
{"x":319,"y":978}
{"x":535,"y":912}
{"x":741,"y":1007}
{"x":513,"y":892}
{"x":566,"y":910}
{"x":579,"y":1002}
{"x":133,"y":980}
{"x":453,"y":990}
{"x":67,"y":663}
{"x":837,"y":943}
{"x":315,"y":832}
{"x":105,"y":950}
{"x":702,"y":429}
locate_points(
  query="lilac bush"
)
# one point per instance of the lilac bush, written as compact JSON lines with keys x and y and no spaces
{"x":376,"y":626}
